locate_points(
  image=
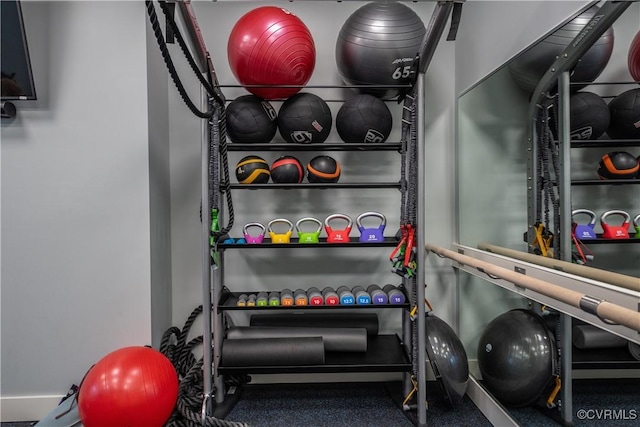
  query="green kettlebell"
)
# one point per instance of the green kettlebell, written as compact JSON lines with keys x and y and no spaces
{"x":636,"y":225}
{"x":308,"y":236}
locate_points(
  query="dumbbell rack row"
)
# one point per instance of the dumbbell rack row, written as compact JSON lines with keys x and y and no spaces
{"x":229,"y":301}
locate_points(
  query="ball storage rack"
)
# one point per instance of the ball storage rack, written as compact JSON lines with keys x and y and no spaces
{"x":216,"y":222}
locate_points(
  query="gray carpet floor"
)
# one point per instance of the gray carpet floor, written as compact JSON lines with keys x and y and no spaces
{"x":378,"y":404}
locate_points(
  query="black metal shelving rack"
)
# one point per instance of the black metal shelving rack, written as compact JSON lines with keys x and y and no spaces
{"x":385,"y":353}
{"x":212,"y":276}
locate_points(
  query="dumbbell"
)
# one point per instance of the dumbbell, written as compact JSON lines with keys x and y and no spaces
{"x":378,"y":296}
{"x":362,"y":296}
{"x":395,"y":295}
{"x":242,"y":300}
{"x":262,"y":299}
{"x":330,"y":296}
{"x":301,"y":297}
{"x":286,"y":297}
{"x":315,"y":296}
{"x":274,"y":298}
{"x":345,"y":295}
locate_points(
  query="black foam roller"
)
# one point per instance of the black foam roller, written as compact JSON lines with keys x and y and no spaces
{"x":589,"y":336}
{"x":369,"y":321}
{"x":335,"y":339}
{"x":273,"y":352}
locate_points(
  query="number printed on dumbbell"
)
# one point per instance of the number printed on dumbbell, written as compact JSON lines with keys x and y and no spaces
{"x":330,"y":296}
{"x":262,"y":299}
{"x":378,"y":296}
{"x":345,"y":295}
{"x":361,"y":295}
{"x":301,"y":297}
{"x":286,"y":297}
{"x":274,"y":298}
{"x":395,"y":295}
{"x":315,"y":296}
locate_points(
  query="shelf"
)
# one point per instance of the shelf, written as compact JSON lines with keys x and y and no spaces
{"x":271,"y":186}
{"x":229,"y":300}
{"x":601,"y":240}
{"x":342,"y":146}
{"x":354,"y":242}
{"x":385,"y":353}
{"x":604,"y":143}
{"x":604,"y":358}
{"x":607,"y":182}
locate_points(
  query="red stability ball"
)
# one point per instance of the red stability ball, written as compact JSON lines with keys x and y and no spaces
{"x":271,"y":46}
{"x":132,"y":386}
{"x":634,"y":58}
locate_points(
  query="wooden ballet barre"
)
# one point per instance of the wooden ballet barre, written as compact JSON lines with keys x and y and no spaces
{"x":617,"y":279}
{"x":606,"y":311}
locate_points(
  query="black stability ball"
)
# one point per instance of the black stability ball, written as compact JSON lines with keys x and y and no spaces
{"x":516,"y":357}
{"x":448,"y":359}
{"x":364,"y":119}
{"x":251,"y":119}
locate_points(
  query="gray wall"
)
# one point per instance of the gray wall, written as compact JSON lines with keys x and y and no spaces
{"x":75,"y":202}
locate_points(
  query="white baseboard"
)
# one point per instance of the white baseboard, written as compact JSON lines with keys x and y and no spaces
{"x":27,"y":408}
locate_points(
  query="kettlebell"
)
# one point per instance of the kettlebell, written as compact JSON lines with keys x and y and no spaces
{"x":338,"y":236}
{"x":636,"y":225}
{"x":615,"y":231}
{"x":371,"y":234}
{"x":584,"y":231}
{"x":253,"y":239}
{"x":280,"y":237}
{"x":308,"y":236}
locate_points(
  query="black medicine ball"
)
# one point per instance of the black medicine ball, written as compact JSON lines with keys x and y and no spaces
{"x":304,"y":118}
{"x":323,"y":169}
{"x":618,"y":165}
{"x":589,"y":115}
{"x":251,"y":120}
{"x":625,"y":115}
{"x":363,"y":119}
{"x":252,"y":170}
{"x":287,"y":170}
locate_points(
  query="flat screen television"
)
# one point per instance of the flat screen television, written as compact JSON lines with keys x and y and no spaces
{"x":17,"y":77}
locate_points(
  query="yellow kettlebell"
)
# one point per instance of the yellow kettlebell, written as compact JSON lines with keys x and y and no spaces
{"x":280,"y":237}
